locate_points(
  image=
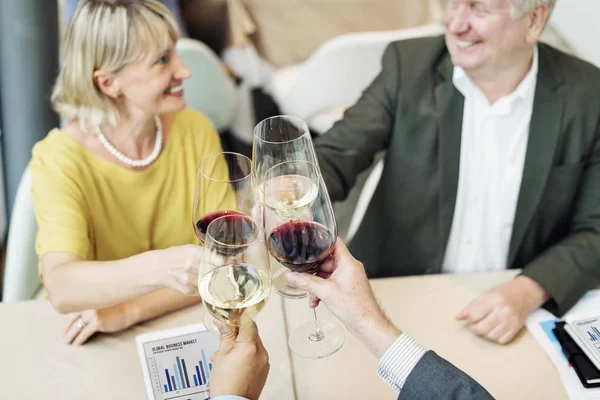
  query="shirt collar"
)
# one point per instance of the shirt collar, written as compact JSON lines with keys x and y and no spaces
{"x":465,"y":84}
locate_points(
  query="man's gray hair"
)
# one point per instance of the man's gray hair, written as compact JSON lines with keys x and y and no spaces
{"x":521,"y":7}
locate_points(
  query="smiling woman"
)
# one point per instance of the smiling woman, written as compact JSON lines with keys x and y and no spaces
{"x":103,"y":38}
{"x":113,"y":189}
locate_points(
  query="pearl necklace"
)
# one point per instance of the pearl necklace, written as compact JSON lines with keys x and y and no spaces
{"x":130,"y":161}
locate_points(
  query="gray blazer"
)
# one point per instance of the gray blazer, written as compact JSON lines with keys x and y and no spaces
{"x":435,"y":378}
{"x":413,"y":111}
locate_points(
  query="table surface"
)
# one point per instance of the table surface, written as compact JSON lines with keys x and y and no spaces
{"x":35,"y":364}
{"x":424,"y":307}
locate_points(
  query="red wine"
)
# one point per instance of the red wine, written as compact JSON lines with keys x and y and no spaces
{"x":301,"y":246}
{"x":202,"y":224}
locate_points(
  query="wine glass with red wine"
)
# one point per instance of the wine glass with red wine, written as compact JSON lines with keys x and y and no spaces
{"x":223,"y":189}
{"x":234,"y":280}
{"x":301,"y":232}
{"x":278,"y":139}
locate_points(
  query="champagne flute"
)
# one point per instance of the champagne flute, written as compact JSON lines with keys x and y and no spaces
{"x":301,"y":232}
{"x":235,"y":281}
{"x":278,"y":139}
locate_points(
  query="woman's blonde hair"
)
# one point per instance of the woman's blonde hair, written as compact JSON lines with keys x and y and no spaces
{"x":106,"y":35}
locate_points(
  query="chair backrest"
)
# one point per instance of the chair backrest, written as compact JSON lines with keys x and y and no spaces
{"x":209,"y":90}
{"x":364,"y":199}
{"x":337,"y":73}
{"x":21,"y":279}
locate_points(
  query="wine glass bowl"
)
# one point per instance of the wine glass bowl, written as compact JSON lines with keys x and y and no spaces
{"x":278,"y":139}
{"x":301,"y":246}
{"x":201,"y":225}
{"x":234,"y":278}
{"x":301,"y":231}
{"x":223,"y":187}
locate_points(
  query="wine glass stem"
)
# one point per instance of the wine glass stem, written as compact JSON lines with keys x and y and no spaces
{"x":317,"y":333}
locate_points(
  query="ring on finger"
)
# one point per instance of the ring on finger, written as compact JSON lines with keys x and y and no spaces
{"x":80,"y":323}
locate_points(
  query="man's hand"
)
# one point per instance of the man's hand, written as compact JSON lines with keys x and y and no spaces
{"x":241,"y":365}
{"x":82,"y":325}
{"x":500,"y":313}
{"x":342,"y":285}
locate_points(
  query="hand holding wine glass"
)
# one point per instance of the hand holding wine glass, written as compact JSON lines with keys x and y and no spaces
{"x":241,"y":365}
{"x":301,"y":233}
{"x":342,"y":286}
{"x":179,"y":265}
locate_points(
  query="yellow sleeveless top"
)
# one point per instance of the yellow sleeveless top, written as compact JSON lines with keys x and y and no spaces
{"x":98,"y":210}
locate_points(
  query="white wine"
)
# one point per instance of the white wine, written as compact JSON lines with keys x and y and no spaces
{"x":290,"y":195}
{"x":235,"y":293}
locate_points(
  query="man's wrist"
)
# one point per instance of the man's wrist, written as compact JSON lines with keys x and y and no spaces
{"x":377,"y":333}
{"x":534,"y":293}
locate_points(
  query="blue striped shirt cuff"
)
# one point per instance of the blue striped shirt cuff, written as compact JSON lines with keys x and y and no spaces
{"x":399,"y":361}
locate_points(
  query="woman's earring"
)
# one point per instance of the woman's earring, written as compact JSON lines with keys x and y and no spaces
{"x":119,"y":94}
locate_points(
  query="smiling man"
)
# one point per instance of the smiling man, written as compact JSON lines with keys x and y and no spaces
{"x":493,"y":162}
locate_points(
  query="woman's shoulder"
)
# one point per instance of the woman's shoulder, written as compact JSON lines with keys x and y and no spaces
{"x":188,"y":118}
{"x":58,"y":150}
{"x":191,"y":125}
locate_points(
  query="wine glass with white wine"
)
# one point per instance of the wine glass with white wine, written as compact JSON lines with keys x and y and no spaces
{"x":234,"y":280}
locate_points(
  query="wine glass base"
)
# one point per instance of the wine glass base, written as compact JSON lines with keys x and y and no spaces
{"x":281,"y":286}
{"x":305,"y":343}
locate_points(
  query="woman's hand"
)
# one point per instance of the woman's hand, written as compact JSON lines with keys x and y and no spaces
{"x":82,"y":325}
{"x":178,"y":267}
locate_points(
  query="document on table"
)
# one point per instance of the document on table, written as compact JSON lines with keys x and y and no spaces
{"x":540,"y":324}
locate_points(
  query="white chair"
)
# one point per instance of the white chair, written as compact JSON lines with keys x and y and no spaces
{"x":21,"y":279}
{"x":364,"y":199}
{"x":334,"y":77}
{"x":210,"y":90}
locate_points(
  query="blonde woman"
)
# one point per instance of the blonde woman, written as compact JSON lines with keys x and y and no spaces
{"x":113,"y":190}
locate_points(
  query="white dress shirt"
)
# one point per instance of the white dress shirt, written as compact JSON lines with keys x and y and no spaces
{"x":492,"y":156}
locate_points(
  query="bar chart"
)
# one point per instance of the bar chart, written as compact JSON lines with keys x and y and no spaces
{"x":183,"y":375}
{"x":594,"y":334}
{"x":180,"y":366}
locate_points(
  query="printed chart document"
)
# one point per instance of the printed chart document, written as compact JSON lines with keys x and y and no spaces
{"x":176,"y":362}
{"x":586,"y":333}
{"x":541,"y":323}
